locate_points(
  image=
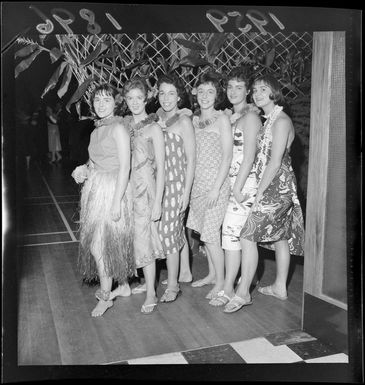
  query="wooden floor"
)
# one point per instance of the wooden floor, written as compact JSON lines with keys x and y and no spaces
{"x":54,"y":322}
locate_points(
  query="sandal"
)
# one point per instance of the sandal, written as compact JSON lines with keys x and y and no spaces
{"x":212,"y":294}
{"x":145,"y":309}
{"x":235,"y":304}
{"x":170,"y":295}
{"x":267,"y":290}
{"x":220,"y":300}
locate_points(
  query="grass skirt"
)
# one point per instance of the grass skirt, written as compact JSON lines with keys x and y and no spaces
{"x":100,"y":235}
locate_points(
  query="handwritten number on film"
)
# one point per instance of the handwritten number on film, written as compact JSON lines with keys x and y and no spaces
{"x":59,"y":15}
{"x":219,"y":18}
{"x":216,"y":17}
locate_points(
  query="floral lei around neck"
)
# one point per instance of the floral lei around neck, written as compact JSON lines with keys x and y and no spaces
{"x":107,"y":121}
{"x":173,"y":119}
{"x":201,"y":124}
{"x":134,"y":127}
{"x":233,"y":117}
{"x":271,"y":117}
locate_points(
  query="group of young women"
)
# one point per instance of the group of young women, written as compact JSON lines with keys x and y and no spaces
{"x":222,"y":174}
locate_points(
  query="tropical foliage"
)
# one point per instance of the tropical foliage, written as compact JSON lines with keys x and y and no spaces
{"x":94,"y":59}
{"x":82,"y":61}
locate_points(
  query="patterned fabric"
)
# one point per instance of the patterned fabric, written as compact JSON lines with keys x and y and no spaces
{"x":279,"y":215}
{"x":204,"y":220}
{"x":237,"y":213}
{"x":171,"y":225}
{"x":147,"y":244}
{"x":99,"y":234}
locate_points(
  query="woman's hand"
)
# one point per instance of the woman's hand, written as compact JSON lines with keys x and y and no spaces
{"x":212,"y":198}
{"x":156,"y":212}
{"x":237,"y":195}
{"x":184,"y":202}
{"x":80,"y":174}
{"x":115,"y":211}
{"x":256,"y":203}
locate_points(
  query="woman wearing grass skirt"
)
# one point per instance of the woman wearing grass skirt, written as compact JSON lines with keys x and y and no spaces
{"x":106,"y":242}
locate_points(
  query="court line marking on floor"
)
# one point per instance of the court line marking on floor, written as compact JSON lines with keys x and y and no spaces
{"x":51,"y":233}
{"x":58,"y":208}
{"x":57,"y":196}
{"x":41,"y":197}
{"x":50,"y":203}
{"x":49,"y":243}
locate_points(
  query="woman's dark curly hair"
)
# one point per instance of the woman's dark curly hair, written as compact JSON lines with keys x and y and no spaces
{"x":106,"y":89}
{"x":276,"y":93}
{"x":214,"y":79}
{"x":176,"y":82}
{"x":241,"y":74}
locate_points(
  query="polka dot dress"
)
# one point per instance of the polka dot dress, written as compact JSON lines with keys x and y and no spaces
{"x":171,"y":225}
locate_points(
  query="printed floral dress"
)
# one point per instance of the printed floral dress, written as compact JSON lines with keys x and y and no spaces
{"x":237,"y":213}
{"x":279,"y":215}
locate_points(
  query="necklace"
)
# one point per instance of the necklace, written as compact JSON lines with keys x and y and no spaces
{"x":206,"y":122}
{"x":135,"y":127}
{"x":170,"y":121}
{"x":106,"y":121}
{"x":271,"y":117}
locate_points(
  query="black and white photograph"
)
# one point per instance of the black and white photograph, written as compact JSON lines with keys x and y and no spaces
{"x":181,"y":192}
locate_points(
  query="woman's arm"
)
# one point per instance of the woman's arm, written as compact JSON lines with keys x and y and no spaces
{"x":52,"y":117}
{"x":227,"y":149}
{"x":188,"y":135}
{"x":159,"y":149}
{"x":249,"y":125}
{"x":122,"y":140}
{"x":280,"y":134}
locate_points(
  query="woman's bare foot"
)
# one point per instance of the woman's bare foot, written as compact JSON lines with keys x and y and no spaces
{"x":121,"y":291}
{"x":101,"y":308}
{"x":139,"y":289}
{"x":208,"y":280}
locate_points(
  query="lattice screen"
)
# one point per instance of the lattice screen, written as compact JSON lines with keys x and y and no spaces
{"x":157,"y":50}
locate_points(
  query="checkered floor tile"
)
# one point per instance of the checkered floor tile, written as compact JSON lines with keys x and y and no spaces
{"x":288,"y":347}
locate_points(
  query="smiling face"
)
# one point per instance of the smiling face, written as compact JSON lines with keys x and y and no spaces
{"x":104,"y":104}
{"x":236,"y":91}
{"x":261,"y":95}
{"x":168,"y":97}
{"x":136,"y":101}
{"x":206,"y":95}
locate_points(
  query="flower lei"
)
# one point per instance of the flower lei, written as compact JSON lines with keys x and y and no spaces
{"x":233,"y":117}
{"x":107,"y":121}
{"x":135,"y":127}
{"x":271,"y":117}
{"x":174,"y":118}
{"x":207,"y":122}
{"x":152,"y":92}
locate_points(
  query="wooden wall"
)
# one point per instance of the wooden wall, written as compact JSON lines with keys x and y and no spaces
{"x":325,"y":273}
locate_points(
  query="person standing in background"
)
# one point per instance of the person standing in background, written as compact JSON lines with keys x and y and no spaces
{"x":54,"y":142}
